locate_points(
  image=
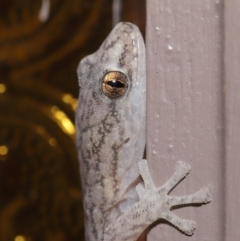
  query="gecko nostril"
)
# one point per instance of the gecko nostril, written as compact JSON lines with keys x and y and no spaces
{"x":114,"y":84}
{"x":127,"y":140}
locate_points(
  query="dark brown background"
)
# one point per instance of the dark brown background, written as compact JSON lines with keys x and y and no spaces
{"x":40,"y":196}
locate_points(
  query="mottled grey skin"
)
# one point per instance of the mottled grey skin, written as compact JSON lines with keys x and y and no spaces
{"x":110,"y":144}
{"x":111,"y":132}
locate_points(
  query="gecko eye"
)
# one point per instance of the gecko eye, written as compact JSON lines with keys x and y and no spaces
{"x":115,"y":84}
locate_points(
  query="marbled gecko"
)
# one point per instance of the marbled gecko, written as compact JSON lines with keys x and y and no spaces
{"x":120,"y":198}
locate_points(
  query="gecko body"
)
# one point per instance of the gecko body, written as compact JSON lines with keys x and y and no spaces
{"x":120,"y":198}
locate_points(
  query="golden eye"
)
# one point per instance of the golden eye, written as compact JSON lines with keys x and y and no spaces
{"x":115,"y":84}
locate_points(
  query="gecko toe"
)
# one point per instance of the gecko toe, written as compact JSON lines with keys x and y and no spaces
{"x":189,"y":227}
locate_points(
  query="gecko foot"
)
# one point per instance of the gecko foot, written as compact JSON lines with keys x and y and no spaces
{"x":161,"y":202}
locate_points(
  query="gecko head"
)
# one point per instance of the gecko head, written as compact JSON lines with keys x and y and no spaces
{"x":115,"y":70}
{"x":113,"y":85}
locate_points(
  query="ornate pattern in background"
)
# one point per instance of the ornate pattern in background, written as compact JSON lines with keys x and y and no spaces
{"x":41,"y":43}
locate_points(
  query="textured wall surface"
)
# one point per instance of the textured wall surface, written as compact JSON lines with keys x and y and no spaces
{"x":185,"y":108}
{"x":232,"y":117}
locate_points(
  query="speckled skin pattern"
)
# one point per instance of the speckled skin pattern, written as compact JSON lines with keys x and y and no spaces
{"x":120,"y":199}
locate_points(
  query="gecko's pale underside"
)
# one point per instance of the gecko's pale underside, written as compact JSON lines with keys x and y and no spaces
{"x":120,"y":198}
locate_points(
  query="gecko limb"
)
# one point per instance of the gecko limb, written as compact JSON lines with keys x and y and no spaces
{"x":155,"y":203}
{"x":166,"y":202}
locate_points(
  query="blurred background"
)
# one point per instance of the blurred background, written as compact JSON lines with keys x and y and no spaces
{"x":41,"y":44}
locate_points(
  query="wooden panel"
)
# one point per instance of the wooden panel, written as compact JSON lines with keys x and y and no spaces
{"x":185,"y":107}
{"x":232,"y":117}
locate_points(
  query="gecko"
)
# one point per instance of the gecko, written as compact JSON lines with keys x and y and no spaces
{"x":120,"y":197}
